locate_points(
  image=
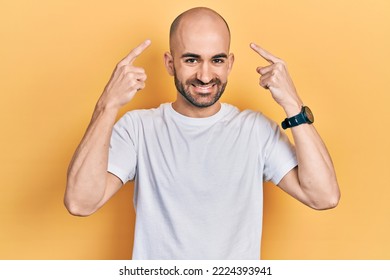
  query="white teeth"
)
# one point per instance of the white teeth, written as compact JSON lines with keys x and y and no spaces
{"x":204,"y":87}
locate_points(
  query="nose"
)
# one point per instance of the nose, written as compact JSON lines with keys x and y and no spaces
{"x":204,"y":73}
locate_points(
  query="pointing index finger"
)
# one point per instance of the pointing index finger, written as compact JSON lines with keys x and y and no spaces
{"x":129,"y":59}
{"x":265,"y":54}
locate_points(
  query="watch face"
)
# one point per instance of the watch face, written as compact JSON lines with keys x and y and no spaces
{"x":309,"y":114}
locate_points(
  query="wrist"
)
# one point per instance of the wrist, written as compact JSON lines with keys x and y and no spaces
{"x":304,"y":116}
{"x":293,"y":109}
{"x":291,"y":104}
{"x":106,"y":104}
{"x":103,"y":108}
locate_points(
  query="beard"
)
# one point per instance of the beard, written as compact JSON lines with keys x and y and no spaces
{"x":196,"y":99}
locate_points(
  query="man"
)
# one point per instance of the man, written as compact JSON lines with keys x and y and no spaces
{"x":198,"y":164}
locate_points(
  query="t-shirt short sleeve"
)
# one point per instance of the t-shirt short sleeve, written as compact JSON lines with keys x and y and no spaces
{"x":122,"y":155}
{"x":280,"y":155}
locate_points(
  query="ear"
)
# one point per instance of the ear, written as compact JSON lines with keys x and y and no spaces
{"x":230,"y":61}
{"x":168,"y":60}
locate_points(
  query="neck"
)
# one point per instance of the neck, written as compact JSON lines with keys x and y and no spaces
{"x":187,"y":109}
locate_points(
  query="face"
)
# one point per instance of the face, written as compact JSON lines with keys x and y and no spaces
{"x":197,"y":92}
{"x":200,"y":63}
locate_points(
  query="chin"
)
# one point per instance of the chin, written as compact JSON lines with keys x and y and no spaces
{"x":203,"y":101}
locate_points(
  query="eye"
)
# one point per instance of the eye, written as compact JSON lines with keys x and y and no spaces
{"x":191,"y":60}
{"x":218,"y":60}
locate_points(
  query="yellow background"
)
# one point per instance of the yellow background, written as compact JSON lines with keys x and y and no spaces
{"x":56,"y":57}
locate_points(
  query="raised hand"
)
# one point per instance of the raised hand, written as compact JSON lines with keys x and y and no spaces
{"x":125,"y":81}
{"x":276,"y":78}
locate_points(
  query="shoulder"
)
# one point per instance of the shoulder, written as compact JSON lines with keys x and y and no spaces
{"x":141,"y":115}
{"x":144,"y":113}
{"x":250,"y":117}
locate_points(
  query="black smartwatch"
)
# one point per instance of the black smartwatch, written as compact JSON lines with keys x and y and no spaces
{"x":305,"y":116}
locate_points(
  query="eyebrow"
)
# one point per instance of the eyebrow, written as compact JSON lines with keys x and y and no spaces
{"x":220,"y":55}
{"x":193,"y":55}
{"x":190,"y":55}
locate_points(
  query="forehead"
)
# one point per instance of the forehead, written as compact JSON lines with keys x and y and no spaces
{"x":202,"y":36}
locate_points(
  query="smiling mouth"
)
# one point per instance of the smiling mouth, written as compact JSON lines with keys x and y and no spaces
{"x":203,"y":88}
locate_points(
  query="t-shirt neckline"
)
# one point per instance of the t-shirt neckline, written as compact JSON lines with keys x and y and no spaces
{"x":197,"y":121}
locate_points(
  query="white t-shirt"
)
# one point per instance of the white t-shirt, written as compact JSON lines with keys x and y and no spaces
{"x":198,"y":181}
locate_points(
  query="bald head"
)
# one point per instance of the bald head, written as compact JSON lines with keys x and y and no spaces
{"x":196,"y":21}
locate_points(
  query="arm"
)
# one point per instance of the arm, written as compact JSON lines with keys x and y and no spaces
{"x":89,"y":185}
{"x":314,"y":181}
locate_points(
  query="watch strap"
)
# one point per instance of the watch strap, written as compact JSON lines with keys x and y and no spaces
{"x":293,"y":121}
